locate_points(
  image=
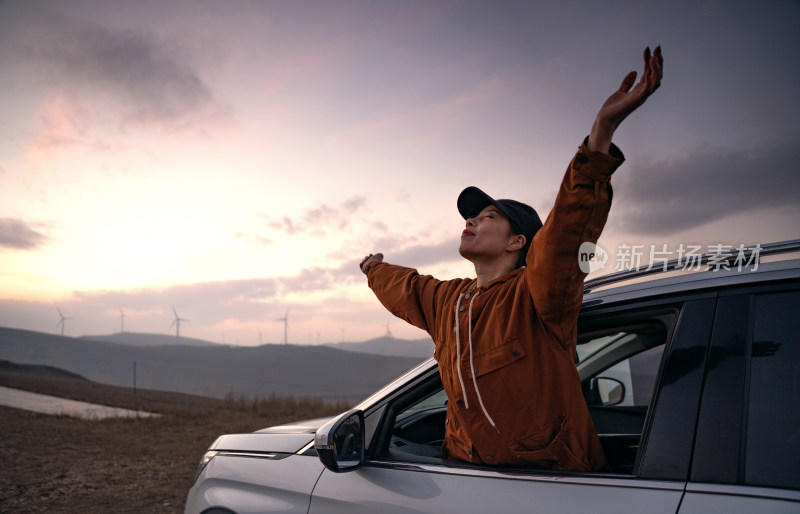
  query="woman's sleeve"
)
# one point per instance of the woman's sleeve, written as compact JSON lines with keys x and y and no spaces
{"x":406,"y":294}
{"x":579,"y":214}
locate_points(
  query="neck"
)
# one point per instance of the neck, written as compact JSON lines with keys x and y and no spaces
{"x":485,"y":273}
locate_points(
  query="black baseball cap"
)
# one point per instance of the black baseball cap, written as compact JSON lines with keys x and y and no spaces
{"x":523,"y":218}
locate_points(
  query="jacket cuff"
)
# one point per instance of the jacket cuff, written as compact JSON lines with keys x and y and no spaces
{"x":371,"y":272}
{"x":597,"y":165}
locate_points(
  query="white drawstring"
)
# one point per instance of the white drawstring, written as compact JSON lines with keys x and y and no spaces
{"x":458,"y":353}
{"x":471,"y":365}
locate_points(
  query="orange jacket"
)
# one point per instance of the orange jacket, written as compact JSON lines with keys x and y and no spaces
{"x":524,"y":404}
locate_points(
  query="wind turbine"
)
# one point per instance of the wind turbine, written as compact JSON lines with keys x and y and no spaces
{"x":388,"y":332}
{"x":121,"y":320}
{"x":177,"y":323}
{"x":61,"y":321}
{"x":285,"y":320}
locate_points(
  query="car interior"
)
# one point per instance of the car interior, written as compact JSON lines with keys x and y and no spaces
{"x":618,"y":366}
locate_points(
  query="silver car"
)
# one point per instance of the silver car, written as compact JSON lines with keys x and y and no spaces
{"x":693,"y":382}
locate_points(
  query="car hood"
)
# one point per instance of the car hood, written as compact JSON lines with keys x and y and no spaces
{"x":308,"y":426}
{"x":289,"y":438}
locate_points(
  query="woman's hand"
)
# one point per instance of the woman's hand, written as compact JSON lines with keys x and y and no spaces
{"x":369,"y":260}
{"x":626,"y":100}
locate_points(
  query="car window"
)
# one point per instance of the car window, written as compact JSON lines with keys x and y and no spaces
{"x":416,"y":423}
{"x":619,"y":370}
{"x":773,"y":414}
{"x":630,"y":382}
{"x":594,"y":345}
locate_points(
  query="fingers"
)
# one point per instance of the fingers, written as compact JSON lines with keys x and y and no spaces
{"x":363,"y":265}
{"x":369,"y":260}
{"x":627,"y":82}
{"x":653,"y":69}
{"x":658,"y":67}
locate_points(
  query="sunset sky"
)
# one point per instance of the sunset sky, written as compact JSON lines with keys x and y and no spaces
{"x":236,"y":159}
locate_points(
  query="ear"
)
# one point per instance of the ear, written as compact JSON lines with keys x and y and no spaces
{"x":516,"y":242}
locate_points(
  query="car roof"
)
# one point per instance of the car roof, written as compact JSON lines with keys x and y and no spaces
{"x":723,"y":257}
{"x":685,"y":281}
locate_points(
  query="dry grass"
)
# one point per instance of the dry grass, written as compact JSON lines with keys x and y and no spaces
{"x":63,"y":464}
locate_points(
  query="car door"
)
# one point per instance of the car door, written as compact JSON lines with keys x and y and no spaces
{"x":397,"y":478}
{"x":747,"y":455}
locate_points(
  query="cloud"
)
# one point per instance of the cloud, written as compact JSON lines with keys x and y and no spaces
{"x":245,"y":299}
{"x":666,"y":197}
{"x":225,"y":292}
{"x":415,"y":256}
{"x":310,"y":280}
{"x":207,"y":306}
{"x":253,"y":238}
{"x":19,"y":235}
{"x":284,"y":224}
{"x":154,"y":79}
{"x":315,"y":219}
{"x":427,"y":121}
{"x":203,"y":303}
{"x":426,"y":255}
{"x":61,"y":129}
{"x":244,"y":306}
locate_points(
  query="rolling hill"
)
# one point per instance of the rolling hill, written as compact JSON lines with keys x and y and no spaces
{"x":312,"y":371}
{"x":143,"y":339}
{"x":417,"y":348}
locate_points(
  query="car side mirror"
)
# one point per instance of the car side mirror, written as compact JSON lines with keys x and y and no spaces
{"x":605,"y":391}
{"x":340,"y":442}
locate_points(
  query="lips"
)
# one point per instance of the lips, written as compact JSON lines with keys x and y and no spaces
{"x":466,"y":233}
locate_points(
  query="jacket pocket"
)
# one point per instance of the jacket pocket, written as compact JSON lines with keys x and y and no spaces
{"x":501,"y":376}
{"x":548,"y":448}
{"x":498,"y":357}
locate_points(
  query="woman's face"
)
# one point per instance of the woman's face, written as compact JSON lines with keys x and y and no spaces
{"x":487,"y":236}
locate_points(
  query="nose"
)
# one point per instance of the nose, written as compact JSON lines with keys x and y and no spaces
{"x":470,"y":222}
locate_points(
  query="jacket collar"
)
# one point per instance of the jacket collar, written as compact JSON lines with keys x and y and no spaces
{"x":511,"y":275}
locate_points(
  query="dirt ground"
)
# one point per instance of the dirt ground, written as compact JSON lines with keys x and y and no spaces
{"x":63,"y":464}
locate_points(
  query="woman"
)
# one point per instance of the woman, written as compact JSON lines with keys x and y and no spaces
{"x":505,"y":340}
